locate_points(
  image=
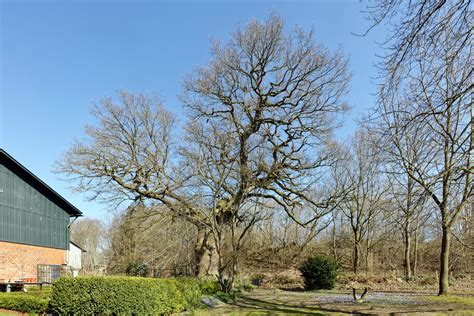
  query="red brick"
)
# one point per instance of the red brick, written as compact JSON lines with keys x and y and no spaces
{"x":19,"y":261}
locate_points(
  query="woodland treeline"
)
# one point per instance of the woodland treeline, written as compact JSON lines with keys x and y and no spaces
{"x":254,"y":179}
{"x":166,"y":246}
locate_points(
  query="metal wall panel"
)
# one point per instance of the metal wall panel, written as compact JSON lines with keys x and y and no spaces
{"x":29,"y":217}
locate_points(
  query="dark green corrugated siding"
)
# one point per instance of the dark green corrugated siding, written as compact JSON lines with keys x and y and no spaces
{"x":27,"y":216}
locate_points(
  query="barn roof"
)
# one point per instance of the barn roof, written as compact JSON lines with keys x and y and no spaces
{"x":77,"y":245}
{"x":21,"y":171}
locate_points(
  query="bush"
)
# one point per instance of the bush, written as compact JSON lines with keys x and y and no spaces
{"x":123,"y":295}
{"x":24,"y":302}
{"x":319,"y":272}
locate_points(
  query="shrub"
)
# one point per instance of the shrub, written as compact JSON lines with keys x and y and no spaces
{"x":24,"y":302}
{"x":319,"y":272}
{"x":122,"y":295}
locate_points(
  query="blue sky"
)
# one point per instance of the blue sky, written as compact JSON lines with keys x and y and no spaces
{"x":57,"y":57}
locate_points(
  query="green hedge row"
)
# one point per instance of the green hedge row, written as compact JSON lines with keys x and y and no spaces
{"x":124,"y":295}
{"x":24,"y":302}
{"x":111,"y":295}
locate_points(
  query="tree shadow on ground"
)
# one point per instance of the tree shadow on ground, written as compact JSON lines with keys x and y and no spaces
{"x":391,"y":306}
{"x":292,"y":289}
{"x":295,"y":309}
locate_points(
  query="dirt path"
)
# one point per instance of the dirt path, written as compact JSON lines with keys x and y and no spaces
{"x":277,"y":302}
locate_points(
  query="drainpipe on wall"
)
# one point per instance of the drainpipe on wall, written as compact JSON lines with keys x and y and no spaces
{"x":69,"y":226}
{"x":69,"y":240}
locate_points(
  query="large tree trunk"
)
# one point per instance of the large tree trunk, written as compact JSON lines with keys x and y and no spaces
{"x":204,"y":254}
{"x":444,"y":261}
{"x":199,"y":251}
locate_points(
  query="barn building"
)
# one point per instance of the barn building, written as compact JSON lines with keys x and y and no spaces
{"x":34,"y":225}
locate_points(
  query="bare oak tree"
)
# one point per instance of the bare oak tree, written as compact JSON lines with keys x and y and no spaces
{"x":131,"y":155}
{"x":261,"y":115}
{"x":272,"y":98}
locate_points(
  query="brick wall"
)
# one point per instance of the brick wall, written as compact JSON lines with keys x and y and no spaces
{"x":19,"y":261}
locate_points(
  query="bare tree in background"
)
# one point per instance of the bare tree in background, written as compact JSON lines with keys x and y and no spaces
{"x":279,"y":243}
{"x":123,"y":248}
{"x":155,"y":239}
{"x":90,"y":235}
{"x":361,"y":175}
{"x":409,"y":199}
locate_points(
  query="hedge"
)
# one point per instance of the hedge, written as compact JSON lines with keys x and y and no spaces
{"x":123,"y":295}
{"x":24,"y":302}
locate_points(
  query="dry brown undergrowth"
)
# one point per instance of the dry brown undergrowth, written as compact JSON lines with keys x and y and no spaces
{"x":427,"y":283}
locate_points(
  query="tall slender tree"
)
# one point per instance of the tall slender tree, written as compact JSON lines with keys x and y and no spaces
{"x":433,"y":114}
{"x":361,"y":177}
{"x":427,"y":93}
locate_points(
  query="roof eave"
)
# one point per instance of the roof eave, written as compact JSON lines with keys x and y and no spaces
{"x":67,"y":206}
